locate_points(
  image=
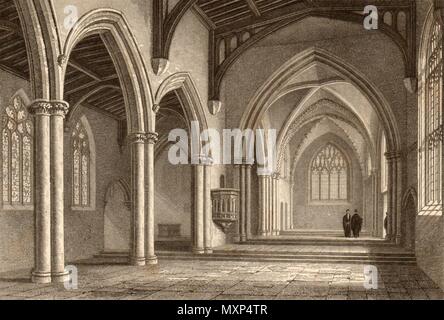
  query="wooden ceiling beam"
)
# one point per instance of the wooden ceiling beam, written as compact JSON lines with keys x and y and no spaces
{"x":90,"y":73}
{"x":253,"y":7}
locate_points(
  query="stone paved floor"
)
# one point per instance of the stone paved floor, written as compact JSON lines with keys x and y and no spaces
{"x":196,"y":280}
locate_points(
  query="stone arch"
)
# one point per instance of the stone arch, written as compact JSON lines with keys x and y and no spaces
{"x":117,"y":216}
{"x":123,"y":185}
{"x":188,"y":95}
{"x":42,"y":45}
{"x":128,"y":61}
{"x":271,"y":89}
{"x":336,"y":111}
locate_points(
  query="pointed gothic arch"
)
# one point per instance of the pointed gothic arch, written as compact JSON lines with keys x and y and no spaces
{"x":124,"y":49}
{"x":272,"y":88}
{"x":188,"y":95}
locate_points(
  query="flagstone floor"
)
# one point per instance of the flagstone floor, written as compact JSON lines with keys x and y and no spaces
{"x":197,"y":280}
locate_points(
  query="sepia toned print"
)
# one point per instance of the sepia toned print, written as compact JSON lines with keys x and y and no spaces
{"x":221,"y":150}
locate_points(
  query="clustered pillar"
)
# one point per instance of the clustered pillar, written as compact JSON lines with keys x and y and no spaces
{"x":49,"y":191}
{"x":245,"y":202}
{"x":150,"y":255}
{"x":394,"y":197}
{"x":203,"y":213}
{"x":269,"y":216}
{"x":137,"y":142}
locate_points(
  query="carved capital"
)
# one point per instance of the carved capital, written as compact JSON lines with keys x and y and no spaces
{"x":40,"y":108}
{"x":59,"y":108}
{"x":137,"y":138}
{"x":156,"y":108}
{"x":62,"y":60}
{"x":152,"y":137}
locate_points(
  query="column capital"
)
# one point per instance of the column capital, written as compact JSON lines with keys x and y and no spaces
{"x":142,"y":138}
{"x":137,"y":138}
{"x":59,"y":108}
{"x":40,"y":107}
{"x":44,"y":107}
{"x":152,"y":137}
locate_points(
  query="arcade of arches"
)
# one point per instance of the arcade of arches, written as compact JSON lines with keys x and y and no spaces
{"x":87,"y":109}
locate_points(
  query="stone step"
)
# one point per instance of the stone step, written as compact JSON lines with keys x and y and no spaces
{"x":332,"y":258}
{"x":317,"y":242}
{"x":394,"y":254}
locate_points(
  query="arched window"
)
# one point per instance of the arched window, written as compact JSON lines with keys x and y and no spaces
{"x":82,"y":166}
{"x":329,"y":175}
{"x":432,"y":119}
{"x":17,"y":155}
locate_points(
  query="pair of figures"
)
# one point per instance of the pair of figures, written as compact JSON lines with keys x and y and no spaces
{"x":352,"y":224}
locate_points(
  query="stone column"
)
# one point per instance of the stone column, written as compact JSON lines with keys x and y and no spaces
{"x":198,"y":243}
{"x":390,"y":199}
{"x":208,"y":211}
{"x":58,"y":111}
{"x":398,"y":190}
{"x":248,"y":169}
{"x":291,"y":206}
{"x":268,"y":205}
{"x":242,"y":215}
{"x":137,"y":144}
{"x":150,"y":254}
{"x":276,"y":211}
{"x":42,"y":266}
{"x":262,"y":207}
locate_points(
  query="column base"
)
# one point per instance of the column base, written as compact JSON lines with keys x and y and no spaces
{"x":60,"y":277}
{"x":152,"y":260}
{"x":198,"y":251}
{"x":138,"y":262}
{"x":208,"y":250}
{"x":243,"y":238}
{"x":41,"y":277}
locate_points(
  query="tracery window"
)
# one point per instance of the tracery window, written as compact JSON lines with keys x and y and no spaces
{"x":17,"y":155}
{"x":81,"y":182}
{"x":329,"y":175}
{"x":433,"y":118}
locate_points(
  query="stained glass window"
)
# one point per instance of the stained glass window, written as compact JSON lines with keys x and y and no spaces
{"x":433,"y":117}
{"x":81,"y":167}
{"x":17,"y":162}
{"x":329,"y":175}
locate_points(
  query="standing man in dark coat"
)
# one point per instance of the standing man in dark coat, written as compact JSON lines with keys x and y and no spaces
{"x":346,"y":222}
{"x":356,"y":224}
